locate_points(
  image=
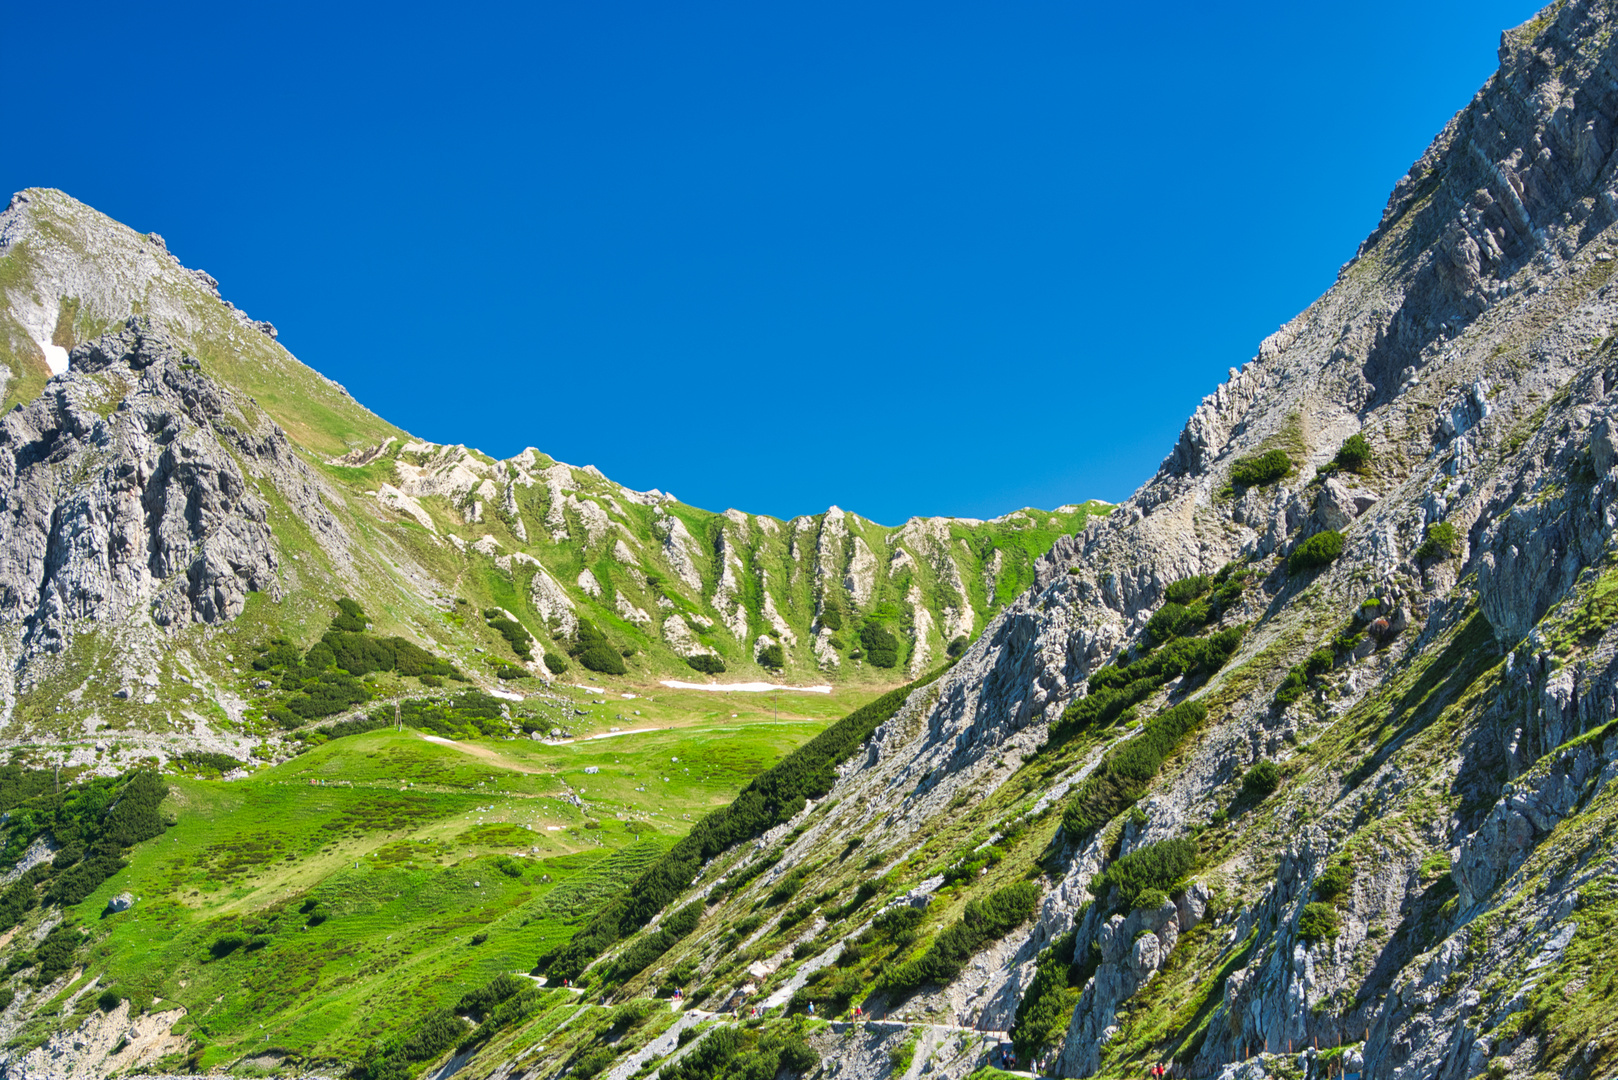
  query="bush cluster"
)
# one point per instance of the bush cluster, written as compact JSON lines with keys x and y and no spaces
{"x":1261,"y":781}
{"x":325,"y":680}
{"x":1333,"y":884}
{"x":644,"y":950}
{"x":1114,"y":689}
{"x":1127,"y":770}
{"x":520,"y":640}
{"x":745,"y":1053}
{"x":1318,"y":922}
{"x":707,"y":663}
{"x":1442,"y":541}
{"x":207,"y":760}
{"x":1320,"y":549}
{"x":1156,"y":868}
{"x":1354,"y":455}
{"x":775,"y":796}
{"x":1047,"y":1006}
{"x":1302,"y":676}
{"x":983,"y":921}
{"x":881,"y":647}
{"x":555,"y":663}
{"x":595,"y":651}
{"x":93,"y":824}
{"x":1261,"y":469}
{"x":773,"y":656}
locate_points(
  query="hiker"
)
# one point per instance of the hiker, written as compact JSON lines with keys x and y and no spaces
{"x":811,"y":1008}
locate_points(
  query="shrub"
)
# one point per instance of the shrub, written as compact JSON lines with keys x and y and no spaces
{"x":1355,"y":453}
{"x":1318,"y":922}
{"x":983,"y":921}
{"x":350,"y":616}
{"x":831,"y":618}
{"x":707,"y":664}
{"x":1046,"y":1007}
{"x":596,"y":652}
{"x":556,"y":664}
{"x":225,"y":944}
{"x":744,"y":1053}
{"x":602,"y":658}
{"x":772,"y":656}
{"x":1173,"y":620}
{"x":1187,"y":589}
{"x":1293,"y":687}
{"x":1320,"y":549}
{"x":516,"y":636}
{"x":1123,"y":775}
{"x":1153,"y":868}
{"x":1318,"y":662}
{"x":956,"y":647}
{"x":1261,"y":781}
{"x":881,"y":647}
{"x":1334,"y":883}
{"x":1151,"y":899}
{"x":55,"y":954}
{"x":108,"y":1000}
{"x":1261,"y":469}
{"x":1442,"y":541}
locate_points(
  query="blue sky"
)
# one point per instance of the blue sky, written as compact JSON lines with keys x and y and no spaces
{"x":909,"y":258}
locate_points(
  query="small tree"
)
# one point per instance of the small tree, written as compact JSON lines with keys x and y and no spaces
{"x":773,"y":656}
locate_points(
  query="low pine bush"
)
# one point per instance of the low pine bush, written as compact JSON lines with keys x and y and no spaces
{"x":1442,"y":541}
{"x":1156,"y":868}
{"x":707,"y":664}
{"x":1261,"y":781}
{"x":1261,"y":469}
{"x":1319,"y":922}
{"x":881,"y":647}
{"x":1320,"y":549}
{"x":1354,"y":455}
{"x":773,"y":656}
{"x":1127,"y":770}
{"x":983,"y":921}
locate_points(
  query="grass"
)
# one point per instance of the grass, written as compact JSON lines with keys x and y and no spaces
{"x":407,"y":848}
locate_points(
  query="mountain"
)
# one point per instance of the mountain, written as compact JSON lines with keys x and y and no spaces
{"x":1296,"y":763}
{"x":180,"y":473}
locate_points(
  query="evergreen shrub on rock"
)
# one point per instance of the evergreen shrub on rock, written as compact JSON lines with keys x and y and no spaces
{"x":1260,"y":469}
{"x":1320,"y":549}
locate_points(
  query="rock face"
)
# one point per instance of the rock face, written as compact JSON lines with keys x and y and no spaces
{"x":1423,"y":888}
{"x":145,"y":504}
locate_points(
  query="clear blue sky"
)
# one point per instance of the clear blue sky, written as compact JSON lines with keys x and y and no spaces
{"x":909,"y":258}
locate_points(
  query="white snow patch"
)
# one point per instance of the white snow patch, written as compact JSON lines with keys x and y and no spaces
{"x":55,"y":357}
{"x":743,"y":687}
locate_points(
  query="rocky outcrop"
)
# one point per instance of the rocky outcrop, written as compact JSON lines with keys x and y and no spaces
{"x":131,"y":483}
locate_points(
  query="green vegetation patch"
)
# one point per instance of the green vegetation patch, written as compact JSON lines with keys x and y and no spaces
{"x":1321,"y":549}
{"x":983,"y":921}
{"x":1126,"y":772}
{"x":1154,"y":869}
{"x":774,"y":797}
{"x":1260,"y":469}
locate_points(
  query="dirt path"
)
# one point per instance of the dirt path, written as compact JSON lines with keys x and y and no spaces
{"x":485,"y":753}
